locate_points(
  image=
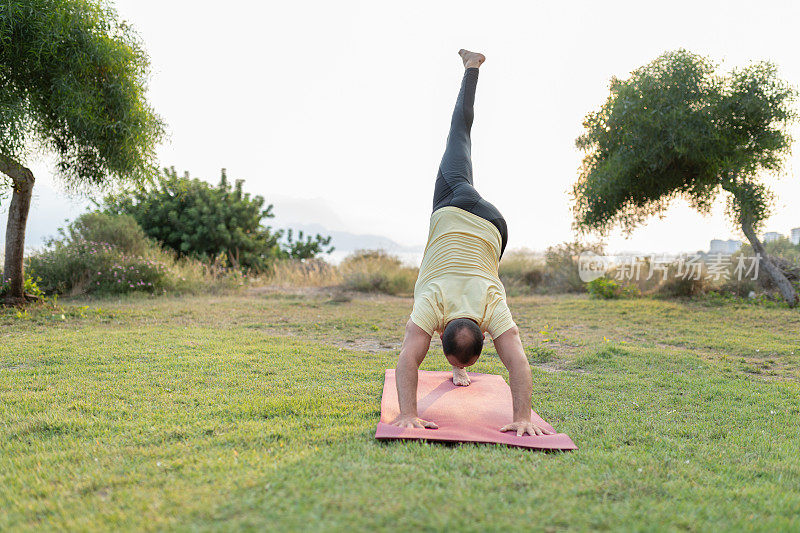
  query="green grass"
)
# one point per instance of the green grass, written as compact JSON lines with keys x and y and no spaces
{"x":258,"y":412}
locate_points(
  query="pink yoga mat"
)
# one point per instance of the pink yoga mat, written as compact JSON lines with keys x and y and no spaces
{"x":464,"y":414}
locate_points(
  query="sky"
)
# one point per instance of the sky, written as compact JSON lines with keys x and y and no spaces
{"x":337,"y":112}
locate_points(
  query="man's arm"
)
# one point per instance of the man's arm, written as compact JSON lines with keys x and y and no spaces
{"x":509,"y":348}
{"x":415,"y":346}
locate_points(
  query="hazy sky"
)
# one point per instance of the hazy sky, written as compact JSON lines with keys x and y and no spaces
{"x":337,"y":112}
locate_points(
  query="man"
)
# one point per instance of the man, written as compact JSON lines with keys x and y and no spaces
{"x":458,"y":292}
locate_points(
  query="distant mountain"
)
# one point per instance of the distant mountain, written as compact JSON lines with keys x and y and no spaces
{"x":345,"y":241}
{"x":320,"y":216}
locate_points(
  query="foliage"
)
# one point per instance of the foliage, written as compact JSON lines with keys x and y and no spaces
{"x":561,"y":266}
{"x":782,"y":253}
{"x":377,"y":271}
{"x":72,"y":82}
{"x":31,"y":287}
{"x":610,"y":289}
{"x":556,"y":271}
{"x":307,"y":247}
{"x":198,"y":220}
{"x":101,"y":253}
{"x":127,"y":261}
{"x":79,"y":266}
{"x":128,"y":274}
{"x":82,"y":267}
{"x":5,"y":187}
{"x":48,"y":310}
{"x":120,"y":231}
{"x":676,"y":127}
{"x":780,"y":248}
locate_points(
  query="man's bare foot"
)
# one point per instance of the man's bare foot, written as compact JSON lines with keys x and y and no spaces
{"x":471,"y":59}
{"x":460,"y":377}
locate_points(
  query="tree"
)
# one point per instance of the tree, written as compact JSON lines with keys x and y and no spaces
{"x":195,"y":218}
{"x":305,"y":247}
{"x":72,"y":84}
{"x":198,"y":219}
{"x":678,"y":128}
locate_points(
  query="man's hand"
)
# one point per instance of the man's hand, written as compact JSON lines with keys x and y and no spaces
{"x":526,"y":427}
{"x":413,"y":422}
{"x":415,"y":346}
{"x":509,"y":349}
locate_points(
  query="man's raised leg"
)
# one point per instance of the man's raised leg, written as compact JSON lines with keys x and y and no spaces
{"x":456,"y":165}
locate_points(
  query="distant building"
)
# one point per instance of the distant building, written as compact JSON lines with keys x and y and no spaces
{"x":772,"y":236}
{"x":796,"y":236}
{"x":719,"y":246}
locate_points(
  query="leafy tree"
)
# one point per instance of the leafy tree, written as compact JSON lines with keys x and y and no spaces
{"x":306,"y":247}
{"x":678,"y":128}
{"x":195,"y":218}
{"x":72,"y":84}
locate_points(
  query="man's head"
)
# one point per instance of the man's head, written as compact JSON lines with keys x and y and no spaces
{"x":462,"y":342}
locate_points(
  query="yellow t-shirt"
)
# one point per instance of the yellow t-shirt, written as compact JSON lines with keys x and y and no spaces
{"x":458,"y":275}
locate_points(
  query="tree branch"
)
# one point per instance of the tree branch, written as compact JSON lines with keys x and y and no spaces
{"x":19,"y":174}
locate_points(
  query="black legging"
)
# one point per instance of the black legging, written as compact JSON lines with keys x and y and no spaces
{"x":454,"y":181}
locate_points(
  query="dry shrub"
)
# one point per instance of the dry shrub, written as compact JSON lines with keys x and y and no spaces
{"x":377,"y":271}
{"x":684,"y":285}
{"x":738,"y":287}
{"x":561,"y":272}
{"x":524,"y":272}
{"x":303,"y":273}
{"x":521,"y":271}
{"x":790,"y":269}
{"x":561,"y":267}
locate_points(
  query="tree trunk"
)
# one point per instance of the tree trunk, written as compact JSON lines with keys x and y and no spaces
{"x":22,"y":183}
{"x":784,"y":285}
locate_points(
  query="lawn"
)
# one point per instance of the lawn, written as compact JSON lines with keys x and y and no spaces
{"x":257,"y":411}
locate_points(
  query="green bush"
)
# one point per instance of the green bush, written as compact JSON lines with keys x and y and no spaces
{"x":100,"y":253}
{"x":128,"y":261}
{"x":199,"y":220}
{"x":610,"y":289}
{"x":377,"y":271}
{"x":305,"y":247}
{"x":120,"y":231}
{"x":80,"y":266}
{"x":30,"y":286}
